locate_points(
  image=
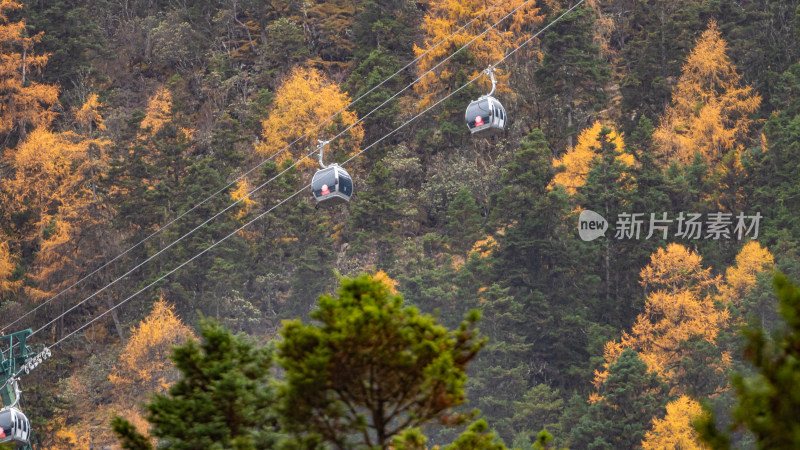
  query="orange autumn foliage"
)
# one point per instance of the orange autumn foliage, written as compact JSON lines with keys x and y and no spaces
{"x":23,"y":102}
{"x":145,"y":365}
{"x":577,"y":161}
{"x":679,"y":307}
{"x":444,"y":17}
{"x":242,"y":188}
{"x":485,"y":247}
{"x":7,"y":266}
{"x":44,"y":177}
{"x":54,"y":181}
{"x":675,"y":429}
{"x":710,"y":111}
{"x":384,"y":278}
{"x":54,"y":169}
{"x":305,"y":100}
{"x":88,"y":115}
{"x":675,"y":269}
{"x":740,"y":278}
{"x":159,"y":110}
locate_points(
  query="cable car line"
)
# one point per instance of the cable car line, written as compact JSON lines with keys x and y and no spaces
{"x":216,"y":243}
{"x":247,"y":195}
{"x":213,"y":245}
{"x":254,"y":168}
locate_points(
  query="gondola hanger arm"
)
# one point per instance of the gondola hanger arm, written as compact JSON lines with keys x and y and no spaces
{"x":490,"y":71}
{"x":321,"y":147}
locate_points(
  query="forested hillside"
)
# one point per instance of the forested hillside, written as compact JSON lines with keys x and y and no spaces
{"x":155,"y":158}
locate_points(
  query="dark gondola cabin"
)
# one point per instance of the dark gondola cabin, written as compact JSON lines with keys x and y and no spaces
{"x":332,"y":186}
{"x":486,"y":116}
{"x":14,"y":427}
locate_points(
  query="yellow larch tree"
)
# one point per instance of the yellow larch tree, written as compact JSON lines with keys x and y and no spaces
{"x":741,"y":277}
{"x":159,"y":111}
{"x":675,"y":429}
{"x":89,"y":124}
{"x":144,"y":367}
{"x":710,"y":111}
{"x":145,"y":364}
{"x":7,"y":266}
{"x":54,"y":180}
{"x":577,"y":161}
{"x":23,"y":102}
{"x":50,"y":168}
{"x":386,"y":280}
{"x":43,"y":173}
{"x":444,"y":17}
{"x":88,"y":115}
{"x":676,"y":269}
{"x":240,"y":193}
{"x":306,"y":99}
{"x":681,"y":307}
{"x":55,"y":265}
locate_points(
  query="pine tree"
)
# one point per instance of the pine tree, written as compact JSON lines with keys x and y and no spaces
{"x":777,"y":196}
{"x":578,"y":161}
{"x":371,"y":368}
{"x":610,"y":188}
{"x":657,"y":36}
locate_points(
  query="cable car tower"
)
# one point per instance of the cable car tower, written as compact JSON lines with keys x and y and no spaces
{"x":15,"y":357}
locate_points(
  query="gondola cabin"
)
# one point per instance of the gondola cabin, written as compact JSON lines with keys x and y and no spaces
{"x":486,"y":116}
{"x":332,"y":186}
{"x":14,"y":427}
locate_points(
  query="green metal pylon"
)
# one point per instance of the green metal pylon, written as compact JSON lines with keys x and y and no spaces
{"x":14,"y":352}
{"x":14,"y":356}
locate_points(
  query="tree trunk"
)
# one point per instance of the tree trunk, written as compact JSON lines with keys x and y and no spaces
{"x":115,"y":317}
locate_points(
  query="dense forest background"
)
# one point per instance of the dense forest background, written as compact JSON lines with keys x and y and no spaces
{"x":120,"y":119}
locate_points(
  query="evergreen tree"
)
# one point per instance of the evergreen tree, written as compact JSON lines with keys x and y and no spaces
{"x":530,"y":262}
{"x":658,"y":36}
{"x":371,"y":72}
{"x":767,"y":400}
{"x":463,"y":221}
{"x":224,"y":398}
{"x":376,"y":209}
{"x":771,"y":23}
{"x":72,"y":37}
{"x":372,"y":367}
{"x":477,"y":437}
{"x":777,"y":195}
{"x":622,"y":413}
{"x":571,"y":77}
{"x":610,"y":187}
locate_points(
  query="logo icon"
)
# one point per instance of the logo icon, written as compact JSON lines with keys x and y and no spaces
{"x":591,"y":225}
